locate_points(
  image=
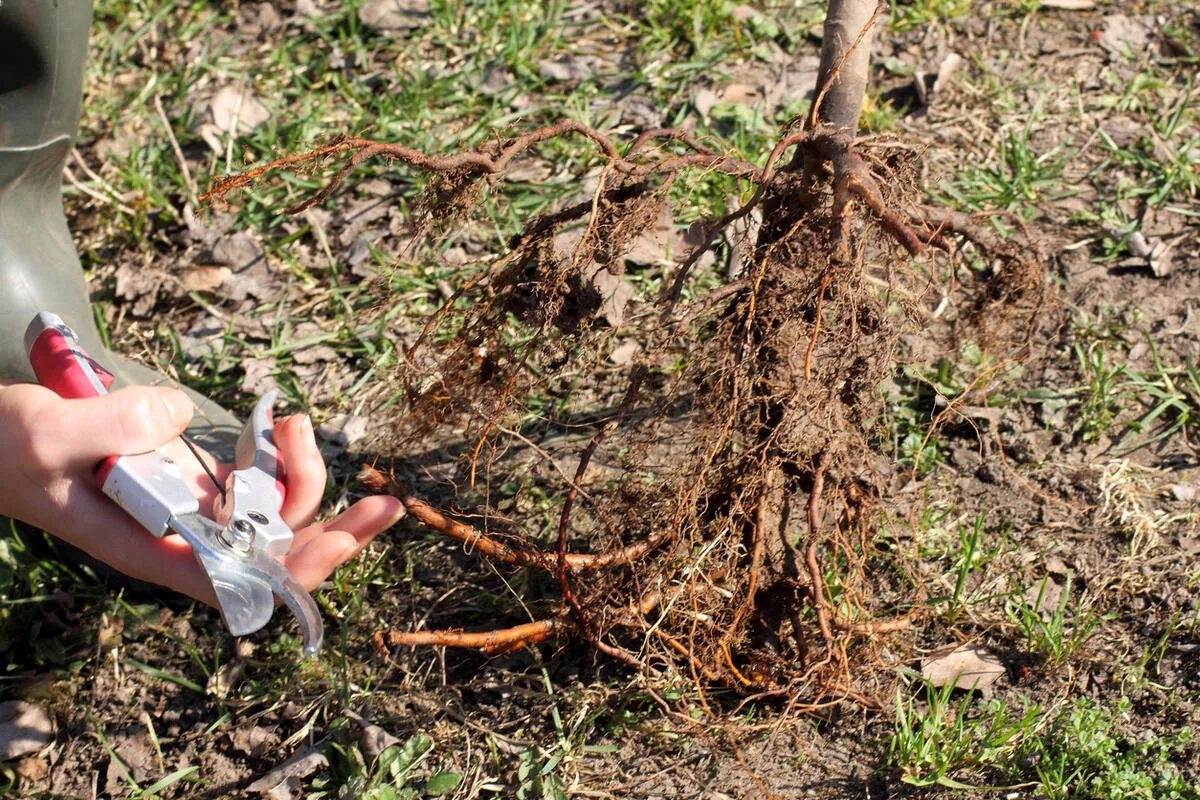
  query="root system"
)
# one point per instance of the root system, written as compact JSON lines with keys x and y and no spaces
{"x":728,"y":537}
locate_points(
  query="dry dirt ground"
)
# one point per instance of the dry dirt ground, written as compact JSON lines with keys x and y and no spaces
{"x":1048,"y":518}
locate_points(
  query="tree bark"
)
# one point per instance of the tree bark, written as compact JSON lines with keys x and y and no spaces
{"x":842,"y":78}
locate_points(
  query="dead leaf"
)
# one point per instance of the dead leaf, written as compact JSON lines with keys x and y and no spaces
{"x":308,"y":8}
{"x":1044,"y":596}
{"x":394,"y":15}
{"x":1069,"y":5}
{"x":742,"y":93}
{"x":967,"y":667}
{"x":250,"y":276}
{"x":659,"y":243}
{"x":237,"y":251}
{"x":1056,"y":566}
{"x":283,"y":781}
{"x":615,"y":293}
{"x":640,"y":111}
{"x":133,"y":755}
{"x":1184,"y":493}
{"x":342,"y":430}
{"x":32,"y":769}
{"x":203,"y":339}
{"x":230,"y":110}
{"x":225,"y":679}
{"x":374,"y":738}
{"x":1122,"y":35}
{"x":360,"y":257}
{"x":496,"y":79}
{"x":207,"y":229}
{"x":623,"y":353}
{"x":140,"y":286}
{"x":201,"y":278}
{"x":1162,"y":263}
{"x":950,"y":65}
{"x":704,"y":101}
{"x":24,"y":729}
{"x":256,"y":20}
{"x":566,"y":68}
{"x":255,"y":741}
{"x":259,"y":375}
{"x":314,"y":354}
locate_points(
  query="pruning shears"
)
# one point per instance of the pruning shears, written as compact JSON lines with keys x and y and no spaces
{"x":239,"y":547}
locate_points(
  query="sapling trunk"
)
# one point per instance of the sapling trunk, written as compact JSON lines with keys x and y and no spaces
{"x":845,"y":63}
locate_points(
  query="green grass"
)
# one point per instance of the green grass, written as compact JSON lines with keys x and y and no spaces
{"x":1051,"y":632}
{"x":38,"y":592}
{"x":907,"y":15}
{"x":1081,"y":750}
{"x":1016,"y":180}
{"x":397,"y":773}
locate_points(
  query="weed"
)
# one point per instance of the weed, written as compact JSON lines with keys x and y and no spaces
{"x":913,"y":14}
{"x":540,"y":770}
{"x":1078,"y":752}
{"x":879,"y":115}
{"x":1016,"y":183}
{"x":391,"y":776}
{"x":1172,"y":395}
{"x":1051,"y":632}
{"x":36,"y":587}
{"x":1101,"y":394}
{"x":1083,"y":755}
{"x":972,"y":555}
{"x":942,"y":738}
{"x":135,"y":791}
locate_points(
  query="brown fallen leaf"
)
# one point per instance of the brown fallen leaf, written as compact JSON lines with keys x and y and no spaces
{"x":24,"y":729}
{"x":283,"y":782}
{"x":342,"y":430}
{"x":614,"y":291}
{"x":204,"y":278}
{"x":394,"y":15}
{"x":222,"y":682}
{"x":624,"y":353}
{"x":255,"y":741}
{"x":566,"y":68}
{"x":32,"y":769}
{"x":967,"y":667}
{"x":374,"y":738}
{"x":1069,"y":5}
{"x":230,"y":110}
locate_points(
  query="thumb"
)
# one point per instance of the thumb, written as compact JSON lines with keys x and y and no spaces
{"x":132,"y":420}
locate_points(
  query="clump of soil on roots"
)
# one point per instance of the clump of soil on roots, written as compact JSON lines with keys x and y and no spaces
{"x":728,"y":538}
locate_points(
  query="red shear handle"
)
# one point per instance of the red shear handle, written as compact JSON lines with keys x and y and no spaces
{"x":61,"y":365}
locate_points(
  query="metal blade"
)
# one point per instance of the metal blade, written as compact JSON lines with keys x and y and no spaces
{"x":245,"y":600}
{"x":247,"y":582}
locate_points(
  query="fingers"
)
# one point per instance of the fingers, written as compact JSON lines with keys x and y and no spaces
{"x":135,"y":419}
{"x":364,"y":521}
{"x":305,"y":470}
{"x":313,"y":563}
{"x":97,"y":526}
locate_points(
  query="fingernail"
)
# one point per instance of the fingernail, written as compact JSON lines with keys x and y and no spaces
{"x":179,"y":406}
{"x":306,"y":426}
{"x":348,"y":554}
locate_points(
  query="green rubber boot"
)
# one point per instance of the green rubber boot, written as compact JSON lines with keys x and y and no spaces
{"x":43,"y":47}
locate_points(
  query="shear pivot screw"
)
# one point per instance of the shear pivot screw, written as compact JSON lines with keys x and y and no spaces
{"x":239,"y":536}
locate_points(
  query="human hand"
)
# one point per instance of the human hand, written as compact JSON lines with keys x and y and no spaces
{"x":51,"y":447}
